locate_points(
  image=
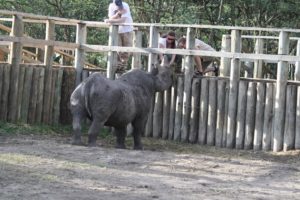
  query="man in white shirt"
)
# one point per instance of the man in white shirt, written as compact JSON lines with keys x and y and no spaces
{"x":203,"y":64}
{"x":119,"y":12}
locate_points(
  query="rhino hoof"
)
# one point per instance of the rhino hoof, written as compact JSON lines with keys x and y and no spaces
{"x":138,"y":148}
{"x":78,"y":143}
{"x":93,"y":144}
{"x":120,"y":146}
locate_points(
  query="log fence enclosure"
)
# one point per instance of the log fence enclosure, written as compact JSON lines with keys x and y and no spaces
{"x":226,"y":111}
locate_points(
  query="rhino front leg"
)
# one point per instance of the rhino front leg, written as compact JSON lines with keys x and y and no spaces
{"x":121,"y":135}
{"x":93,"y":132}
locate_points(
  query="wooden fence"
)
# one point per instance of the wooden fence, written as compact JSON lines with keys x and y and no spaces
{"x":228,"y":111}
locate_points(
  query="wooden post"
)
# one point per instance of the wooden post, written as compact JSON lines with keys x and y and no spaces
{"x":179,"y":102}
{"x":250,"y":116}
{"x":195,"y":110}
{"x":268,"y":117}
{"x":297,"y":78}
{"x":154,"y":36}
{"x":15,"y":60}
{"x":172,"y":108}
{"x":152,"y":60}
{"x":233,"y":90}
{"x":290,"y":118}
{"x":258,"y":64}
{"x":158,"y":115}
{"x":48,"y":60}
{"x":188,"y":76}
{"x":212,"y":112}
{"x":203,"y":111}
{"x":241,"y":114}
{"x":166,"y":113}
{"x":259,"y":116}
{"x":112,"y":56}
{"x":225,"y":62}
{"x":5,"y":92}
{"x":220,"y":112}
{"x":280,"y":98}
{"x":79,"y":52}
{"x":137,"y":42}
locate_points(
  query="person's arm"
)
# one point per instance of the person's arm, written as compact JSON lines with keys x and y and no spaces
{"x":161,"y":46}
{"x":198,"y":63}
{"x":118,"y":20}
{"x":172,"y":59}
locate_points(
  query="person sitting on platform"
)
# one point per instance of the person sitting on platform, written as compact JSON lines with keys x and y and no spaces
{"x":203,"y":64}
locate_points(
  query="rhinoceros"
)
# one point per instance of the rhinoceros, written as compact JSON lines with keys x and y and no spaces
{"x":116,"y":103}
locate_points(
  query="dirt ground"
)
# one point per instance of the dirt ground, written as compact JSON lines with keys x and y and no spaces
{"x":50,"y":168}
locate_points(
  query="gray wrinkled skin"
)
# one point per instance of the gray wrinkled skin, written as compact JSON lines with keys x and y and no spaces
{"x":117,"y":103}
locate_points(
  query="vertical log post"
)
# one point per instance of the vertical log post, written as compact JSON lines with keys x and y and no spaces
{"x":212,"y":112}
{"x":194,"y":123}
{"x":188,"y":76}
{"x":241,"y":115}
{"x":268,"y":117}
{"x":258,"y":64}
{"x":280,"y":98}
{"x":15,"y":60}
{"x":154,"y":36}
{"x":233,"y":90}
{"x":79,"y":52}
{"x":48,"y":61}
{"x":250,"y":116}
{"x":259,"y":116}
{"x":220,"y":112}
{"x":112,"y":56}
{"x":137,"y":42}
{"x":297,"y":78}
{"x":225,"y":62}
{"x":290,"y":118}
{"x":151,"y":61}
{"x":158,"y":105}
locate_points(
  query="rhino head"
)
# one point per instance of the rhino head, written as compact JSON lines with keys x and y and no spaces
{"x":163,"y":75}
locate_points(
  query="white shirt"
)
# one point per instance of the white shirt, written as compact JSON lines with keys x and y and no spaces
{"x":200,"y":45}
{"x":128,"y":18}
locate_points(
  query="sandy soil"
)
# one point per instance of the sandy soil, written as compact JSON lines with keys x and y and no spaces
{"x":50,"y":168}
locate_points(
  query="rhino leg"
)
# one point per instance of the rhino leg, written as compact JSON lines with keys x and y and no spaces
{"x":138,"y":129}
{"x":77,"y":119}
{"x":93,"y":132}
{"x":121,"y":134}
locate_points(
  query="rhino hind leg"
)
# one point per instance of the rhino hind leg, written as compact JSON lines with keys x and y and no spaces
{"x":120,"y":133}
{"x":138,"y":130}
{"x":93,"y":132}
{"x":77,"y":120}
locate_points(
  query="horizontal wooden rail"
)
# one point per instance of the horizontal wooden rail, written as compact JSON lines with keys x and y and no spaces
{"x":244,"y":56}
{"x":100,"y":48}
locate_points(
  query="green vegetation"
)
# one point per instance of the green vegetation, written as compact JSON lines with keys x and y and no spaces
{"x":26,"y":129}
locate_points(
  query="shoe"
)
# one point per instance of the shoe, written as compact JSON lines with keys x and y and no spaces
{"x":198,"y":73}
{"x":216,"y":71}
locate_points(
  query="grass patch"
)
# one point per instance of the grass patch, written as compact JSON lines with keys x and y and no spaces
{"x":37,"y":129}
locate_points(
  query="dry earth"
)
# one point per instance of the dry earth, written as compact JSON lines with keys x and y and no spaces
{"x":50,"y":168}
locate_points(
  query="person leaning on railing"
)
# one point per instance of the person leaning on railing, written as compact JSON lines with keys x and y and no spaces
{"x":169,"y":41}
{"x":203,"y":64}
{"x":119,"y":12}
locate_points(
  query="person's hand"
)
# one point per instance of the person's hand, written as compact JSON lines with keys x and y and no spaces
{"x":106,"y":21}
